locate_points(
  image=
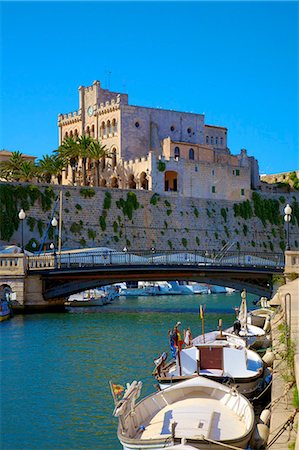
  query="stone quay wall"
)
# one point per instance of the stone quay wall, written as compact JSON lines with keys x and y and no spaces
{"x":140,"y":220}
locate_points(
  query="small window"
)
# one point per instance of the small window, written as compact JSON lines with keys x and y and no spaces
{"x":212,"y":140}
{"x":137,"y":124}
{"x":237,"y":172}
{"x":207,"y":139}
{"x":216,"y":140}
{"x":189,"y":130}
{"x":221,"y":141}
{"x":213,"y":189}
{"x":213,"y":172}
{"x":172,"y":128}
{"x":196,"y":169}
{"x":177,"y":152}
{"x":242,"y":191}
{"x":191,"y":153}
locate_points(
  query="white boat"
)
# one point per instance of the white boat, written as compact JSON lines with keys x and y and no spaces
{"x":91,"y":298}
{"x":258,"y":317}
{"x":222,"y":358}
{"x":242,"y":327}
{"x":202,"y":412}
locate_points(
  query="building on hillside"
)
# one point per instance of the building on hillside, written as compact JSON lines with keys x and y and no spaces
{"x":161,"y":150}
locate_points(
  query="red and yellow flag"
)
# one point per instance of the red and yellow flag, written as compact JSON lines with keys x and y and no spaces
{"x":117,"y":389}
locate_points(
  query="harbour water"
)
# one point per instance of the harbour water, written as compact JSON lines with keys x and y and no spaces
{"x":56,"y":367}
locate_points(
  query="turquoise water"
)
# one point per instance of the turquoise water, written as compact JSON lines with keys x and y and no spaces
{"x":56,"y":367}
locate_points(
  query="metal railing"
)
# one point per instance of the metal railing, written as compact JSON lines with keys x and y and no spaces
{"x":85,"y":258}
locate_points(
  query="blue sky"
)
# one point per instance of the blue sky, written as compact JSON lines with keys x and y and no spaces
{"x":237,"y":62}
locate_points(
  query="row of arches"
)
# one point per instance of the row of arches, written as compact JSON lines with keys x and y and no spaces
{"x":107,"y":129}
{"x":177,"y":153}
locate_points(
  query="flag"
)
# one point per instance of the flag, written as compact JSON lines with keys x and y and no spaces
{"x":117,"y":389}
{"x":201,"y":312}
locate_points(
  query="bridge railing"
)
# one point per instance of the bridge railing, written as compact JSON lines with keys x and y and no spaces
{"x":153,"y":257}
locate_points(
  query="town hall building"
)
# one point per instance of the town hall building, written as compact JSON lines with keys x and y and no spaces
{"x":156,"y":149}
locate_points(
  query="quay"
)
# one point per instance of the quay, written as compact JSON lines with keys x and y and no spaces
{"x":284,"y":433}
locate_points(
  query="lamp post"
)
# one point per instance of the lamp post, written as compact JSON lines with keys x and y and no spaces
{"x":287,"y":219}
{"x":54,"y":224}
{"x":22,"y":216}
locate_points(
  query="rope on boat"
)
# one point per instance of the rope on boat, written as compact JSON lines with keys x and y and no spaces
{"x":262,"y":393}
{"x":288,"y":423}
{"x":221,"y":444}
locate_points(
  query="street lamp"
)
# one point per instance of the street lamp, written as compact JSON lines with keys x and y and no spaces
{"x":287,"y":219}
{"x":54,"y":224}
{"x":52,"y":247}
{"x":22,"y":216}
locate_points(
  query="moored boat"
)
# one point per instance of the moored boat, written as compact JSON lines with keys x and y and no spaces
{"x":203,"y":412}
{"x":5,"y":311}
{"x":242,"y":327}
{"x":220,"y":357}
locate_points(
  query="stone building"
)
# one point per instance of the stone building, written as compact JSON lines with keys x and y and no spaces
{"x":157,"y":149}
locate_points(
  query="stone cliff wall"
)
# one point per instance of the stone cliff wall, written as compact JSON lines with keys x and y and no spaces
{"x":140,"y":220}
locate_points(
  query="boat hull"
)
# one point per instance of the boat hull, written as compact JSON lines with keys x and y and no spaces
{"x":4,"y":317}
{"x":204,"y":413}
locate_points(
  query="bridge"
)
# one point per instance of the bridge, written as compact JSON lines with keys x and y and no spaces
{"x":49,"y":278}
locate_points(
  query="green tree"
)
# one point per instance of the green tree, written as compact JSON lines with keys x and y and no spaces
{"x":98,"y":152}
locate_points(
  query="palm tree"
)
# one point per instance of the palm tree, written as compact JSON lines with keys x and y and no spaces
{"x":69,"y":153}
{"x":28,"y":171}
{"x":84,"y":144}
{"x":50,"y":166}
{"x":10,"y":169}
{"x":97,"y":152}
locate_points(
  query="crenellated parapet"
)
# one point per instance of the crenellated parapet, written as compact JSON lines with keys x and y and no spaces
{"x":69,"y":118}
{"x":108,"y":106}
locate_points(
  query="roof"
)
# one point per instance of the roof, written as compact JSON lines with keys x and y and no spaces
{"x":4,"y":152}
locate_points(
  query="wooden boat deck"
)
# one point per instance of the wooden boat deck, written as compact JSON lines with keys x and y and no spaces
{"x":195,"y":417}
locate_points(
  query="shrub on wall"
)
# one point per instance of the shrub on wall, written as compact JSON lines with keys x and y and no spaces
{"x":184,"y":242}
{"x":87,"y":192}
{"x":161,"y":166}
{"x":91,"y":234}
{"x":154,"y":199}
{"x":170,"y":244}
{"x":129,"y":205}
{"x":107,"y":200}
{"x":102,"y":221}
{"x":15,"y":197}
{"x":75,"y":228}
{"x":40,"y":227}
{"x":196,"y":213}
{"x":197,"y":240}
{"x":224,"y":214}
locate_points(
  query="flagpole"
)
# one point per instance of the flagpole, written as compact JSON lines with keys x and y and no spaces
{"x":112,"y":392}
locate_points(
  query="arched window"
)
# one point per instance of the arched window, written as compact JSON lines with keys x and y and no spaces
{"x":143,"y":181}
{"x":191,"y":153}
{"x":207,"y":139}
{"x":66,"y":135}
{"x":132,"y":182}
{"x":212,"y":140}
{"x":92,"y":131}
{"x":114,"y":158}
{"x":114,"y":127}
{"x":76,"y":132}
{"x":71,"y":133}
{"x":88,"y":131}
{"x":221,"y":141}
{"x":103,"y":130}
{"x":216,"y":140}
{"x":109,"y":128}
{"x":176,"y":152}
